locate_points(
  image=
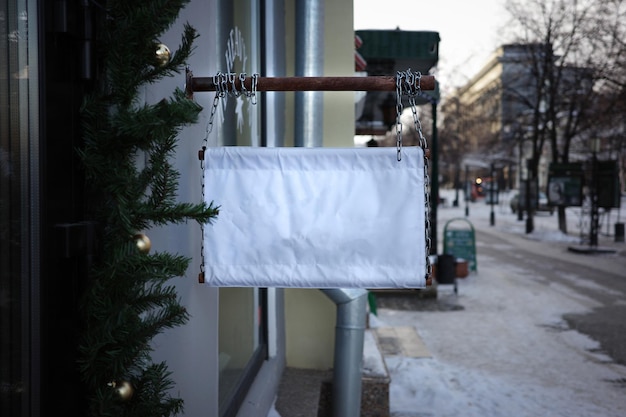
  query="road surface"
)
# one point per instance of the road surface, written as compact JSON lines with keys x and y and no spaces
{"x":599,"y":277}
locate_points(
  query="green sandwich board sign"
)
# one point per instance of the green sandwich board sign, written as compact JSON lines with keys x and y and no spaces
{"x":460,"y":242}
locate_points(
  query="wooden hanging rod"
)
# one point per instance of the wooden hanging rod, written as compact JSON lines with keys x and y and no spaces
{"x":374,"y":83}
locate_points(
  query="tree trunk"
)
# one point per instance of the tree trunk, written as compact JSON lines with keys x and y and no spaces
{"x":562,"y":219}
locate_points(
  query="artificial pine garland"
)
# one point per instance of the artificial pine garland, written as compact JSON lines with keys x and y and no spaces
{"x":128,"y":301}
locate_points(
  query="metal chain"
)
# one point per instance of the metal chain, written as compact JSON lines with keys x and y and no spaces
{"x":399,"y":110}
{"x":252,"y":94}
{"x":233,"y":89}
{"x":221,"y":82}
{"x":412,"y":87}
{"x":242,"y":78}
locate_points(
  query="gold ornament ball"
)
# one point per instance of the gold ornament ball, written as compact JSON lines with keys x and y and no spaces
{"x":124,"y":390}
{"x":162,"y":55}
{"x":143,"y":243}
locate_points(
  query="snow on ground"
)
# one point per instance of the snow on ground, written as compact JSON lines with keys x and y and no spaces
{"x":508,"y":352}
{"x":273,"y":412}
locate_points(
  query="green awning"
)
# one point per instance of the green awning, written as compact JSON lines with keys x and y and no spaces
{"x":418,"y":50}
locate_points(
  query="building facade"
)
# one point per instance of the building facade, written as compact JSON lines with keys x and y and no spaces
{"x":516,"y":109}
{"x":229,"y":358}
{"x":488,"y":114}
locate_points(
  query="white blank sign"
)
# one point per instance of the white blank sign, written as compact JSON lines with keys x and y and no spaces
{"x":315,"y":218}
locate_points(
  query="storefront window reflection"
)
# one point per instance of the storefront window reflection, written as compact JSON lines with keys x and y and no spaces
{"x":17,"y":203}
{"x":241,"y":310}
{"x":238,"y":336}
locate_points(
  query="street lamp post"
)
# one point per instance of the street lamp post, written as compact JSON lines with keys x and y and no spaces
{"x":492,"y":195}
{"x":434,"y":180}
{"x":468,"y":191}
{"x":593,"y":232}
{"x":457,"y":181}
{"x":522,"y":175}
{"x":529,"y":206}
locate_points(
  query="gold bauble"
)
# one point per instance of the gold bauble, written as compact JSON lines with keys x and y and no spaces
{"x":123,"y":389}
{"x":143,"y":243}
{"x":162,"y":55}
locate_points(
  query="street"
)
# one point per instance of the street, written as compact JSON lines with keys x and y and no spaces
{"x":600,"y":277}
{"x":537,"y":330}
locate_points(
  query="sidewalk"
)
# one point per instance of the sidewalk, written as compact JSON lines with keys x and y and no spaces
{"x":506,"y":350}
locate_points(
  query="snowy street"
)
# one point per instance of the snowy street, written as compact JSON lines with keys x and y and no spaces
{"x":541,"y":330}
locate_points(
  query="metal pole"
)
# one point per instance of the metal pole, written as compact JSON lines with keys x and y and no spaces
{"x":373,"y":83}
{"x":520,"y":206}
{"x":434,"y":178}
{"x":468,"y":191}
{"x":349,"y":339}
{"x":309,"y":104}
{"x":351,"y":303}
{"x":492,"y":195}
{"x":457,"y":181}
{"x":593,"y":232}
{"x":529,"y":208}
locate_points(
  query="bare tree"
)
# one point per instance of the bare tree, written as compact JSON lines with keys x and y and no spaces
{"x":609,"y":44}
{"x":569,"y":45}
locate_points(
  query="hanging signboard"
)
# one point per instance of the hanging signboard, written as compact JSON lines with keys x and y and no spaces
{"x":316,"y":218}
{"x":565,"y":184}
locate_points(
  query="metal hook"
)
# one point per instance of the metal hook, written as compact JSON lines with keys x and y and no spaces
{"x":254,"y":82}
{"x":242,"y":79}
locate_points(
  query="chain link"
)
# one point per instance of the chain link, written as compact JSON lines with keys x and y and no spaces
{"x":399,"y":110}
{"x":252,"y":94}
{"x":412,"y":88}
{"x":221,"y":81}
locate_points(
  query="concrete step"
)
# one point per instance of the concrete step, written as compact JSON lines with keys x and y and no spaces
{"x":299,"y":392}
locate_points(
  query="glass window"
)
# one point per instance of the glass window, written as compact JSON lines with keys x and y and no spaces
{"x":18,"y":202}
{"x":241,"y":342}
{"x":242,"y":345}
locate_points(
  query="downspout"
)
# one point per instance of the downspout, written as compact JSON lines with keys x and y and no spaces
{"x":226,"y":132}
{"x":349,"y":338}
{"x":351,"y":303}
{"x":309,"y":111}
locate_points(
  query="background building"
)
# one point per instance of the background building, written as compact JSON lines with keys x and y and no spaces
{"x":500,"y":115}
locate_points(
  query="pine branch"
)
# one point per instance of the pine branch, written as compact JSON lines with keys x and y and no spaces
{"x":129,"y":301}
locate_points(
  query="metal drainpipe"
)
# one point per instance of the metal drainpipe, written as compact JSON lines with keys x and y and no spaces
{"x":226,"y":132}
{"x":349,"y":339}
{"x":309,"y":114}
{"x":351,"y":303}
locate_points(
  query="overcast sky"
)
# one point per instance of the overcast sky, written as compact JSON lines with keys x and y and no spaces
{"x":469,"y":30}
